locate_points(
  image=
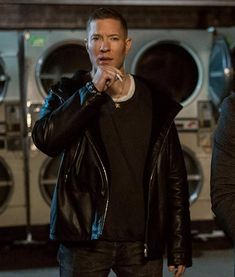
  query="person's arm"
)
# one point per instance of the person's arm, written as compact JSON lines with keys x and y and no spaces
{"x":223,"y":168}
{"x":64,"y":119}
{"x":179,"y":233}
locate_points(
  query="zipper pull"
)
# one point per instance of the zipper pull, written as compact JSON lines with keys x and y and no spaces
{"x":145,"y":250}
{"x":65,"y":178}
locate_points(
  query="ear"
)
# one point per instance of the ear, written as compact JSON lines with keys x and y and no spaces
{"x":128,"y":43}
{"x":86,"y":43}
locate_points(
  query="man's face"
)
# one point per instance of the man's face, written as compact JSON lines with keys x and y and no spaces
{"x":107,"y":43}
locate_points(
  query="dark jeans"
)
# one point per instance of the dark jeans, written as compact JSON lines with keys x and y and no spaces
{"x":97,"y":258}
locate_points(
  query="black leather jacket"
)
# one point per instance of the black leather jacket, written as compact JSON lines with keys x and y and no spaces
{"x":81,"y":197}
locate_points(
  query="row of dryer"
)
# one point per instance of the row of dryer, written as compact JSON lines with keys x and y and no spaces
{"x":194,"y":66}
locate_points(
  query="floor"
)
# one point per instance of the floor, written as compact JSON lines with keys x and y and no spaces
{"x":211,"y":263}
{"x":211,"y":258}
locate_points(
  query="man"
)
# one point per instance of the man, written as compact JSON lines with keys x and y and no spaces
{"x":122,"y":192}
{"x":223,"y":168}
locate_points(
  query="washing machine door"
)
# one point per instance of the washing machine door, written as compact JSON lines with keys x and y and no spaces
{"x":171,"y":67}
{"x":6,"y":185}
{"x":48,"y":177}
{"x":61,"y":60}
{"x":194,"y":174}
{"x":220,"y":71}
{"x":3,"y":80}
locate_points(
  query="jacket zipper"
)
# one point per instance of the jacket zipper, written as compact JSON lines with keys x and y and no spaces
{"x":62,"y":100}
{"x":145,"y":250}
{"x":150,"y":181}
{"x":147,"y":219}
{"x":106,"y":180}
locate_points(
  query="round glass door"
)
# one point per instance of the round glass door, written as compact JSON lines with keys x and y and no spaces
{"x":194,"y":174}
{"x":232,"y":55}
{"x":3,"y":81}
{"x":220,"y":71}
{"x":171,"y":67}
{"x":48,"y":177}
{"x":62,"y":60}
{"x":6,"y":185}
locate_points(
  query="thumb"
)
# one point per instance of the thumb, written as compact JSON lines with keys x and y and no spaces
{"x":171,"y":268}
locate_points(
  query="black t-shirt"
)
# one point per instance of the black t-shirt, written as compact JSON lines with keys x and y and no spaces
{"x":125,"y":132}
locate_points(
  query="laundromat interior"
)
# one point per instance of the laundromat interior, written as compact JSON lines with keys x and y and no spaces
{"x":185,"y":47}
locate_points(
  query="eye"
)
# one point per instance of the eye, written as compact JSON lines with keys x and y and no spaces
{"x":95,"y":38}
{"x":114,"y":38}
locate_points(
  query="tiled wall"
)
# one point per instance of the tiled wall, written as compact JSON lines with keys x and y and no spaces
{"x":19,"y":16}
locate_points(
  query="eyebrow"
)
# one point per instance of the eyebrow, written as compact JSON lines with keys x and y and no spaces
{"x":111,"y":35}
{"x":118,"y":36}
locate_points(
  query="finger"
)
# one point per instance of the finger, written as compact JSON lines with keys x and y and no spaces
{"x":104,"y":78}
{"x":110,"y":79}
{"x":113,"y":71}
{"x":179,"y":271}
{"x":182,"y":268}
{"x":171,"y":268}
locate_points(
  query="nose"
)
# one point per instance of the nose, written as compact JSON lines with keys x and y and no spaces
{"x":104,"y":47}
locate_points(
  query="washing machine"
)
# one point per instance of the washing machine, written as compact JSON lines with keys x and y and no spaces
{"x":49,"y":55}
{"x":197,"y":162}
{"x":196,"y":135}
{"x":12,"y":178}
{"x":176,"y":62}
{"x":222,"y":65}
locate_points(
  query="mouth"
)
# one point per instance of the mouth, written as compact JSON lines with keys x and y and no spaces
{"x":104,"y":60}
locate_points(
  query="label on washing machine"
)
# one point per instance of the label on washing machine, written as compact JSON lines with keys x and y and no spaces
{"x":2,"y":128}
{"x":186,"y":124}
{"x":37,"y":41}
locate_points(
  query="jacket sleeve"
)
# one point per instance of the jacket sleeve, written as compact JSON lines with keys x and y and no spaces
{"x":179,"y":232}
{"x":223,"y":168}
{"x":63,"y":119}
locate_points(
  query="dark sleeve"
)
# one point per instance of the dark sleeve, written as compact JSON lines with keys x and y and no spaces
{"x":223,"y":168}
{"x":64,"y":119}
{"x":179,"y":231}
